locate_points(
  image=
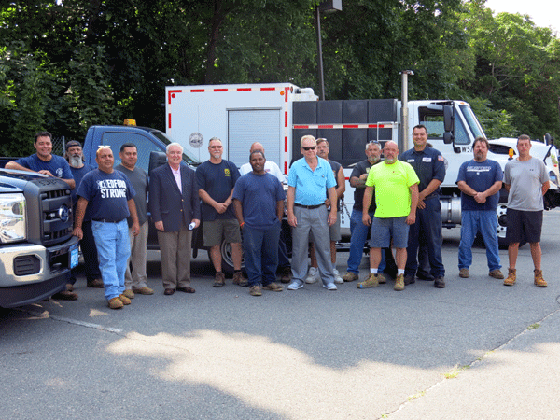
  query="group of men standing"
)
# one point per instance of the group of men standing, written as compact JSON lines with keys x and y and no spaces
{"x":398,"y":200}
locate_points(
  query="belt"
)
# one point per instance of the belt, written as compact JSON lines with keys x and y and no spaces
{"x":107,"y":220}
{"x":315,"y":206}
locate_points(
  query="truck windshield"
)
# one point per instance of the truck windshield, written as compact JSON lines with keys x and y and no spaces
{"x":472,"y":121}
{"x":166,"y":140}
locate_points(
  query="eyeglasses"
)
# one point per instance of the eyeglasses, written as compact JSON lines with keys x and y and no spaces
{"x":308,"y":148}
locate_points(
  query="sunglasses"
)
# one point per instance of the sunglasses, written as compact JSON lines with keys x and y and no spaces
{"x":308,"y":148}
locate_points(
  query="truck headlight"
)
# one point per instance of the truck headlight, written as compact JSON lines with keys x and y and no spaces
{"x":12,"y":218}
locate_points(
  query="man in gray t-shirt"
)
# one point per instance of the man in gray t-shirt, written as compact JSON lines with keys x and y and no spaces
{"x":526,"y":180}
{"x":136,"y":281}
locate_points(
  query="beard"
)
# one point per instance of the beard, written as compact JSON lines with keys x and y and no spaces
{"x":75,"y":161}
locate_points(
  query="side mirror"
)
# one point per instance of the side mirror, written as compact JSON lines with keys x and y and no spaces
{"x":157,"y":158}
{"x":448,"y":124}
{"x":548,"y":139}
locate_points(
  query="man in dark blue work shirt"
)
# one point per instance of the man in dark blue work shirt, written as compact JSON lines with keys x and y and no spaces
{"x":429,"y":166}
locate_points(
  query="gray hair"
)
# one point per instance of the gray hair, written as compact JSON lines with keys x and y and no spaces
{"x":170,"y":145}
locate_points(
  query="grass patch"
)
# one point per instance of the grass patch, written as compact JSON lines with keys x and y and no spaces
{"x":533,"y":326}
{"x":455,"y":372}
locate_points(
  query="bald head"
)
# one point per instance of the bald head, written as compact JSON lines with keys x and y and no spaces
{"x":256,"y":146}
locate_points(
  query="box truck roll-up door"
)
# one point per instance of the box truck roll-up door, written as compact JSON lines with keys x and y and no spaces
{"x":248,"y":126}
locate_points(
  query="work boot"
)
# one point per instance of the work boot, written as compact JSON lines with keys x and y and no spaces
{"x":464,"y":273}
{"x":539,"y":281}
{"x":115,"y":303}
{"x":381,"y":278}
{"x":220,"y":280}
{"x":239,"y":280}
{"x":350,"y":276}
{"x":439,"y":282}
{"x":128,"y":293}
{"x":497,"y":274}
{"x":371,"y":281}
{"x":399,"y":282}
{"x":510,"y":280}
{"x":95,"y":283}
{"x":285,"y":275}
{"x":124,"y":299}
{"x":408,"y":279}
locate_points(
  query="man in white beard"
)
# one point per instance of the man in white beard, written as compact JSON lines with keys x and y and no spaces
{"x":75,"y":158}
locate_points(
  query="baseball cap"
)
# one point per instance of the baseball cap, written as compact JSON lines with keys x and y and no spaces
{"x":72,"y":143}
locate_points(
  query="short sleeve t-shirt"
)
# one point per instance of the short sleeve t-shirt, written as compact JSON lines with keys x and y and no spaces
{"x":139,"y":180}
{"x":392,"y":188}
{"x":258,"y":195}
{"x":361,"y":168}
{"x":526,"y":179}
{"x":217,"y":179}
{"x":56,"y":166}
{"x":311,"y":186}
{"x":479,"y":176}
{"x":107,"y":194}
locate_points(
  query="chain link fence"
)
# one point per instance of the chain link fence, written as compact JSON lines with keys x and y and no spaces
{"x":59,"y":143}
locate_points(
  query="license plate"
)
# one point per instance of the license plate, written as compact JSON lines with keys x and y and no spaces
{"x":74,"y":257}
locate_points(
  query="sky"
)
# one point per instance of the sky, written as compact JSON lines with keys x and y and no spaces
{"x":543,"y":12}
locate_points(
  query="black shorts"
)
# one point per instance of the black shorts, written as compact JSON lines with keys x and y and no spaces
{"x":524,"y":226}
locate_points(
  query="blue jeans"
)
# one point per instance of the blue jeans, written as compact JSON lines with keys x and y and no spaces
{"x":428,"y":224}
{"x":358,"y":238}
{"x":113,"y":250}
{"x":485,"y":221}
{"x":260,"y":249}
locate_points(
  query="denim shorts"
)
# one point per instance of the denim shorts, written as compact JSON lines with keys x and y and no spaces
{"x":383,"y":228}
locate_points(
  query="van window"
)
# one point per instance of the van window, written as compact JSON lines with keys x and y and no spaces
{"x":143,"y":145}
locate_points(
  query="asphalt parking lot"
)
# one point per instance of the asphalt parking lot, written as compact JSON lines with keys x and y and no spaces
{"x":474,"y":350}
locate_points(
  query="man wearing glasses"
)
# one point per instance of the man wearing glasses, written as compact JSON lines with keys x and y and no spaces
{"x":308,"y":182}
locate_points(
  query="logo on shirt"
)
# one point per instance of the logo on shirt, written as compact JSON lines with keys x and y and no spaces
{"x":112,"y":188}
{"x":59,"y":172}
{"x":226,"y":172}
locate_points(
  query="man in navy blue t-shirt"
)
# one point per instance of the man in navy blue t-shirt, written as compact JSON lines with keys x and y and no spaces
{"x":479,"y":180}
{"x":259,"y":207}
{"x":215,"y":179}
{"x":109,"y":194}
{"x":44,"y":162}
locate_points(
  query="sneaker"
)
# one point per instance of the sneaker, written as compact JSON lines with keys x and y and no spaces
{"x":239,"y":280}
{"x":371,"y":281}
{"x":255,"y":291}
{"x":539,"y":281}
{"x":350,"y":277}
{"x":399,"y":282}
{"x":128,"y":293}
{"x":220,"y":280}
{"x":408,"y":279}
{"x":464,"y":273}
{"x":296,"y":284}
{"x":275,"y":287}
{"x":143,"y":290}
{"x":330,"y":286}
{"x":95,"y":283}
{"x":381,"y":278}
{"x":439,"y":282}
{"x":115,"y":303}
{"x":65,"y":295}
{"x":125,"y":300}
{"x":286,"y":275}
{"x":497,"y":274}
{"x":312,"y":275}
{"x":337,"y":278}
{"x":510,"y":280}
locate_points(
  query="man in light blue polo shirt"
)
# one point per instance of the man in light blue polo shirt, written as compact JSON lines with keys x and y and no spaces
{"x":308,"y":180}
